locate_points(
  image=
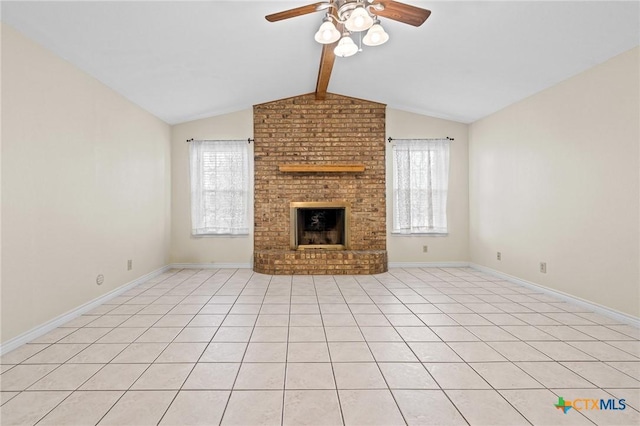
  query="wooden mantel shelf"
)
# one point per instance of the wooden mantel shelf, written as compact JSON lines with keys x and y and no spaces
{"x":321,"y":168}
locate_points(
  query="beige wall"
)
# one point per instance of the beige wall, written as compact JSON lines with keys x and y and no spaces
{"x":455,"y":246}
{"x":555,"y":178}
{"x":85,"y":187}
{"x":214,"y":249}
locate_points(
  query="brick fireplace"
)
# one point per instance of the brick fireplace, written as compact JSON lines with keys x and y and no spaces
{"x":313,"y":158}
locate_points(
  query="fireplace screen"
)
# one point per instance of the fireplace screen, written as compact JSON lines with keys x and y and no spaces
{"x":319,"y":225}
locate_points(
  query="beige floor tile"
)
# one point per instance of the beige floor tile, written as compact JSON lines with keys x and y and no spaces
{"x":311,"y":407}
{"x":602,"y":375}
{"x":417,"y":334}
{"x":554,"y":375}
{"x":380,"y":334}
{"x":21,"y":377}
{"x":354,"y":375}
{"x":245,"y":309}
{"x":175,"y":321}
{"x":305,"y":320}
{"x":109,"y":321}
{"x":631,"y":396}
{"x":182,"y":352}
{"x":350,"y":352}
{"x":564,"y":332}
{"x":233,"y":334}
{"x":266,"y":352}
{"x":504,"y":319}
{"x":476,"y":351}
{"x":272,"y":320}
{"x":85,"y":335}
{"x":212,"y":376}
{"x":528,"y":333}
{"x":159,"y":335}
{"x":196,"y":408}
{"x":309,"y":376}
{"x":266,"y":408}
{"x":392,"y":351}
{"x":98,"y":353}
{"x":343,"y":334}
{"x":223,"y":352}
{"x":82,"y":408}
{"x":417,"y":406}
{"x":163,"y":377}
{"x":434,"y":352}
{"x":7,"y":396}
{"x":29,"y":407}
{"x":518,"y":351}
{"x":603,"y":351}
{"x":307,"y":352}
{"x":306,"y":334}
{"x":561,"y":351}
{"x":407,"y":376}
{"x":275,"y":309}
{"x":456,"y":376}
{"x":631,"y":368}
{"x":260,"y":376}
{"x":369,"y":407}
{"x":529,"y":402}
{"x":491,"y":333}
{"x":485,"y":407}
{"x":115,"y":377}
{"x":141,"y":321}
{"x":270,"y":334}
{"x":196,"y":335}
{"x":343,"y":308}
{"x":631,"y":347}
{"x":372,"y":320}
{"x":144,"y":353}
{"x":67,"y":377}
{"x":239,"y":320}
{"x":339,"y":320}
{"x":139,"y":408}
{"x":51,"y":337}
{"x":437,"y":319}
{"x":505,"y":375}
{"x":56,"y":353}
{"x":122,"y":335}
{"x":24,"y":352}
{"x":454,"y":334}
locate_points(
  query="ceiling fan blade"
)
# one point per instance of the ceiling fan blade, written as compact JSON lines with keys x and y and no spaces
{"x":298,"y":11}
{"x":324,"y":72}
{"x":401,"y":12}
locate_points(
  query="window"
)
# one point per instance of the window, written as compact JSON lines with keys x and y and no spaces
{"x":420,"y":184}
{"x":219,"y":187}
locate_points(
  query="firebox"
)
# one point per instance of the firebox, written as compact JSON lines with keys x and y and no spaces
{"x":320,"y":225}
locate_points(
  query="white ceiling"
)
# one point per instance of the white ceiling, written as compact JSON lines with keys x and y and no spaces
{"x":186,"y":60}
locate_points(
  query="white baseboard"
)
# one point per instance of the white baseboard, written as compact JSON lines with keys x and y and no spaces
{"x":592,"y":306}
{"x":43,"y":329}
{"x":211,"y":265}
{"x":428,"y":264}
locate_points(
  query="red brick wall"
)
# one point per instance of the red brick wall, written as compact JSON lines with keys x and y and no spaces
{"x":302,"y":130}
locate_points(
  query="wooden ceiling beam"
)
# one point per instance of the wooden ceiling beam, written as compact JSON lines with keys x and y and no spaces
{"x":327,"y":60}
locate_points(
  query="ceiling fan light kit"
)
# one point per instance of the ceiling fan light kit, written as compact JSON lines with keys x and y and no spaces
{"x":328,"y":33}
{"x":347,"y":17}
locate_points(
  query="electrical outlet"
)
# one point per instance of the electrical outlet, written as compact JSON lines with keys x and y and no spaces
{"x":425,"y":249}
{"x":129,"y":264}
{"x":499,"y":256}
{"x":543,"y":267}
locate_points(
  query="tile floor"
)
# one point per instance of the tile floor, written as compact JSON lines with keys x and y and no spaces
{"x":411,"y":346}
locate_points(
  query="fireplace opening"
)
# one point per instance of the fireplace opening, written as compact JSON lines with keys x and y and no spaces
{"x":319,"y":225}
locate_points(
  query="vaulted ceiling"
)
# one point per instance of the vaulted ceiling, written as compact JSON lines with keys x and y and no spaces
{"x":183,"y":60}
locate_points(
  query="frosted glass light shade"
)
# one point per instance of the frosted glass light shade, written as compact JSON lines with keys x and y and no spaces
{"x":375,"y":36}
{"x":359,"y":20}
{"x":327,"y":33}
{"x":346,"y":47}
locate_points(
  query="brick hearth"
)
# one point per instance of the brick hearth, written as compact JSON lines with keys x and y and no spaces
{"x":335,"y":131}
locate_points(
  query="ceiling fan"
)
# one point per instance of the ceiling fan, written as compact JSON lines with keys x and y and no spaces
{"x":344,"y":17}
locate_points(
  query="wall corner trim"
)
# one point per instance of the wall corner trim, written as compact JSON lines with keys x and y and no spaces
{"x":56,"y":322}
{"x":595,"y":307}
{"x":211,"y":265}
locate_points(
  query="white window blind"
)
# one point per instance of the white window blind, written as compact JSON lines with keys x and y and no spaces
{"x":219,"y":187}
{"x":420,"y":185}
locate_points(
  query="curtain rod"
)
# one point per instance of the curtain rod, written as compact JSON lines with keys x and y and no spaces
{"x":421,"y":139}
{"x":249,"y":140}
